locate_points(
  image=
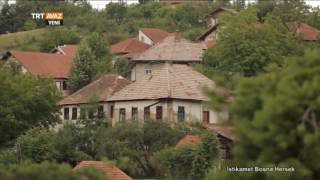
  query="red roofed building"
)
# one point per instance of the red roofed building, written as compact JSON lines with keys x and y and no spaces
{"x":129,"y":48}
{"x":189,"y":140}
{"x":304,"y":31}
{"x":133,"y":47}
{"x":46,"y":65}
{"x":67,"y":49}
{"x":151,"y":36}
{"x":111,"y":172}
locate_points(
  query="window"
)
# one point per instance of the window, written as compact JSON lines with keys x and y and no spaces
{"x":64,"y":85}
{"x":100,"y":112}
{"x":147,"y":113}
{"x":90,"y":113}
{"x":181,"y":114}
{"x":74,"y":115}
{"x":148,"y":71}
{"x":122,"y":115}
{"x":111,"y":111}
{"x":134,"y":114}
{"x":66,"y":113}
{"x":159,"y":112}
{"x":206,"y":117}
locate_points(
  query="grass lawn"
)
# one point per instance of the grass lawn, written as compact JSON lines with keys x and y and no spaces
{"x":18,"y":40}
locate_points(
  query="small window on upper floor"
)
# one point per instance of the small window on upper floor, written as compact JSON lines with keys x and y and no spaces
{"x":148,"y":71}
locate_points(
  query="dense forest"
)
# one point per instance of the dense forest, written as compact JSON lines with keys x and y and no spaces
{"x":272,"y":77}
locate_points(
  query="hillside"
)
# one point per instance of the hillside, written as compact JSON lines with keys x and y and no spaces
{"x":18,"y":39}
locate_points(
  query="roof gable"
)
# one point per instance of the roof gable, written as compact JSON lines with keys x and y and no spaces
{"x":104,"y":87}
{"x":156,"y":35}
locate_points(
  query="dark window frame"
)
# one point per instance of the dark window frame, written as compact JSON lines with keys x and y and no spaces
{"x":122,"y":115}
{"x":146,"y":113}
{"x":74,"y":114}
{"x":64,"y":85}
{"x":66,"y":115}
{"x":181,"y":114}
{"x":134,"y":114}
{"x":206,"y":117}
{"x":111,"y":111}
{"x":100,"y":112}
{"x":159,"y":112}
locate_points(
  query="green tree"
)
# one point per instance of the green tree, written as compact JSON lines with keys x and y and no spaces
{"x":26,"y":102}
{"x":48,"y":171}
{"x":102,"y":63}
{"x":38,"y":145}
{"x":133,"y":146}
{"x":116,"y":11}
{"x":276,"y":120}
{"x":82,"y":72}
{"x":245,"y":46}
{"x":190,"y":161}
{"x":54,"y":36}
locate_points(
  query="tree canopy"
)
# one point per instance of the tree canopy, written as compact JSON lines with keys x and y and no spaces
{"x":26,"y":101}
{"x":276,"y":120}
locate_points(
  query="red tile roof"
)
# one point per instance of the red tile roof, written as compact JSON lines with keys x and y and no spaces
{"x":156,"y":35}
{"x":45,"y":64}
{"x":112,"y":172}
{"x":129,"y":47}
{"x":189,"y":139}
{"x":104,"y":87}
{"x":225,"y":131}
{"x":304,"y":31}
{"x":70,"y":50}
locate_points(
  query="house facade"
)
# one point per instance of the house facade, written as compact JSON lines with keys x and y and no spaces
{"x":174,"y":92}
{"x":172,"y":49}
{"x":212,"y":34}
{"x":133,"y":47}
{"x":47,"y":65}
{"x":98,"y":92}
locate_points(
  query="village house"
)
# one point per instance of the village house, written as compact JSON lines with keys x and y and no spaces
{"x":66,"y":49}
{"x":210,"y":37}
{"x":56,"y":65}
{"x":165,"y":87}
{"x":304,"y":31}
{"x":133,"y":47}
{"x":172,"y":49}
{"x":99,"y":91}
{"x":110,"y":171}
{"x":174,"y":93}
{"x":48,"y":65}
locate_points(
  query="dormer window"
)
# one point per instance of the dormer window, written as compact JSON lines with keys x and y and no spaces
{"x":148,"y":71}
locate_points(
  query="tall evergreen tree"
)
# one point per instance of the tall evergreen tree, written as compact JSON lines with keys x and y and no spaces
{"x":82,"y":71}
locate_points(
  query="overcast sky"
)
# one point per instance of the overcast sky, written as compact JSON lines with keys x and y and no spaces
{"x":101,"y":3}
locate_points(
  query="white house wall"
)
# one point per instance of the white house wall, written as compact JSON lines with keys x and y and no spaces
{"x":138,"y":72}
{"x":144,"y":38}
{"x":193,"y":110}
